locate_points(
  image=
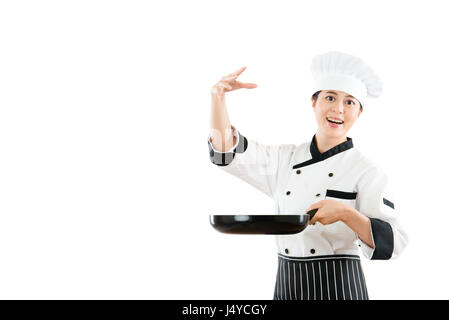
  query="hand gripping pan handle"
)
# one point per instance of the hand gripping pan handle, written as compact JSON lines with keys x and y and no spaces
{"x":311,"y":213}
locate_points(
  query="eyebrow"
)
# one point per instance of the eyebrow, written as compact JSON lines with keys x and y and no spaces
{"x":337,"y":94}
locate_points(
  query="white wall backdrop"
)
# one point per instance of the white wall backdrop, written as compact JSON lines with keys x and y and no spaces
{"x":105,"y":180}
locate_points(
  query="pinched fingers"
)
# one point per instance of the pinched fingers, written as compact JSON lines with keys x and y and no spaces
{"x":229,"y":83}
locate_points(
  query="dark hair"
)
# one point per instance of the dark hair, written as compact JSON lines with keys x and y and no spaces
{"x":315,"y":96}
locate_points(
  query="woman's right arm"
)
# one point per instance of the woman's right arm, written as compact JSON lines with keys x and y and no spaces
{"x":221,"y":134}
{"x":254,"y":163}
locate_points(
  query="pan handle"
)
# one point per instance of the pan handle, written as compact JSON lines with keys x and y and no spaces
{"x":311,"y":213}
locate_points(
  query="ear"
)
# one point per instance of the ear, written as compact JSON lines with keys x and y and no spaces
{"x":313,"y":102}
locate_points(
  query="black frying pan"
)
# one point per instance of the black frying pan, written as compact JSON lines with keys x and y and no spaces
{"x":261,"y":224}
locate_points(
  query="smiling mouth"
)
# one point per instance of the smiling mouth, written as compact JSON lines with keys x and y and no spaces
{"x":335,"y":121}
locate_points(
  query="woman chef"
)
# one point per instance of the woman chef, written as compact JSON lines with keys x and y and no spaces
{"x":356,"y":208}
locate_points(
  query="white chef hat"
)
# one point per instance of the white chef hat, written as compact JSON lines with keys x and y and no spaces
{"x":344,"y":72}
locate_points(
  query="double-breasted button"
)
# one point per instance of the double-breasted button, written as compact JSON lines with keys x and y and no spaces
{"x":298,"y":171}
{"x":312,"y":251}
{"x":331,"y":174}
{"x":287,"y":193}
{"x":286,"y":251}
{"x":318,"y":194}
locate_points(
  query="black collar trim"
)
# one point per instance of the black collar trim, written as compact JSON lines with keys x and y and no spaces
{"x":317,"y":156}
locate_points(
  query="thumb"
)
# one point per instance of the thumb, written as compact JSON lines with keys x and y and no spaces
{"x":246,"y":85}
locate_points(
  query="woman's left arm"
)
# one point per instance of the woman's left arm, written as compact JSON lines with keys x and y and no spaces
{"x":374,"y":219}
{"x":331,"y":211}
{"x":359,"y":223}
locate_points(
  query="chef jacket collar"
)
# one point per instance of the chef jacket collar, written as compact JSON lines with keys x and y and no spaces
{"x":317,"y":156}
{"x":332,"y":151}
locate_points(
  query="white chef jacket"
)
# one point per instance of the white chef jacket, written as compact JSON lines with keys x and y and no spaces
{"x":296,"y":176}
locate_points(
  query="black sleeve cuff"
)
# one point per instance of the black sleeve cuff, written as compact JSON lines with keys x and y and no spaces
{"x":383,"y":239}
{"x":225,"y":158}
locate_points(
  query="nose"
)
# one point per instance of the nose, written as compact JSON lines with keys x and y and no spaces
{"x":338,"y":107}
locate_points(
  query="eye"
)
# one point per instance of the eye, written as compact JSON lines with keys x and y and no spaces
{"x":350,"y":102}
{"x":331,"y":98}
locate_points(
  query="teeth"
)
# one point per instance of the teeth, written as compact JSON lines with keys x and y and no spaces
{"x":335,"y":121}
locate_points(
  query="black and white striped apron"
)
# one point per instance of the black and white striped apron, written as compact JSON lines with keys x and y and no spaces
{"x":332,"y":277}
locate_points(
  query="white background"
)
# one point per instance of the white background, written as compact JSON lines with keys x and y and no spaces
{"x":105,"y":180}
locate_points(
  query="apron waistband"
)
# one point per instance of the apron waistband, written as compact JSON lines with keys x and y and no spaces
{"x":323,"y":257}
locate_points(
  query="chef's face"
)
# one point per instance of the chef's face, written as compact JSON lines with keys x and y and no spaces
{"x":335,"y":112}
